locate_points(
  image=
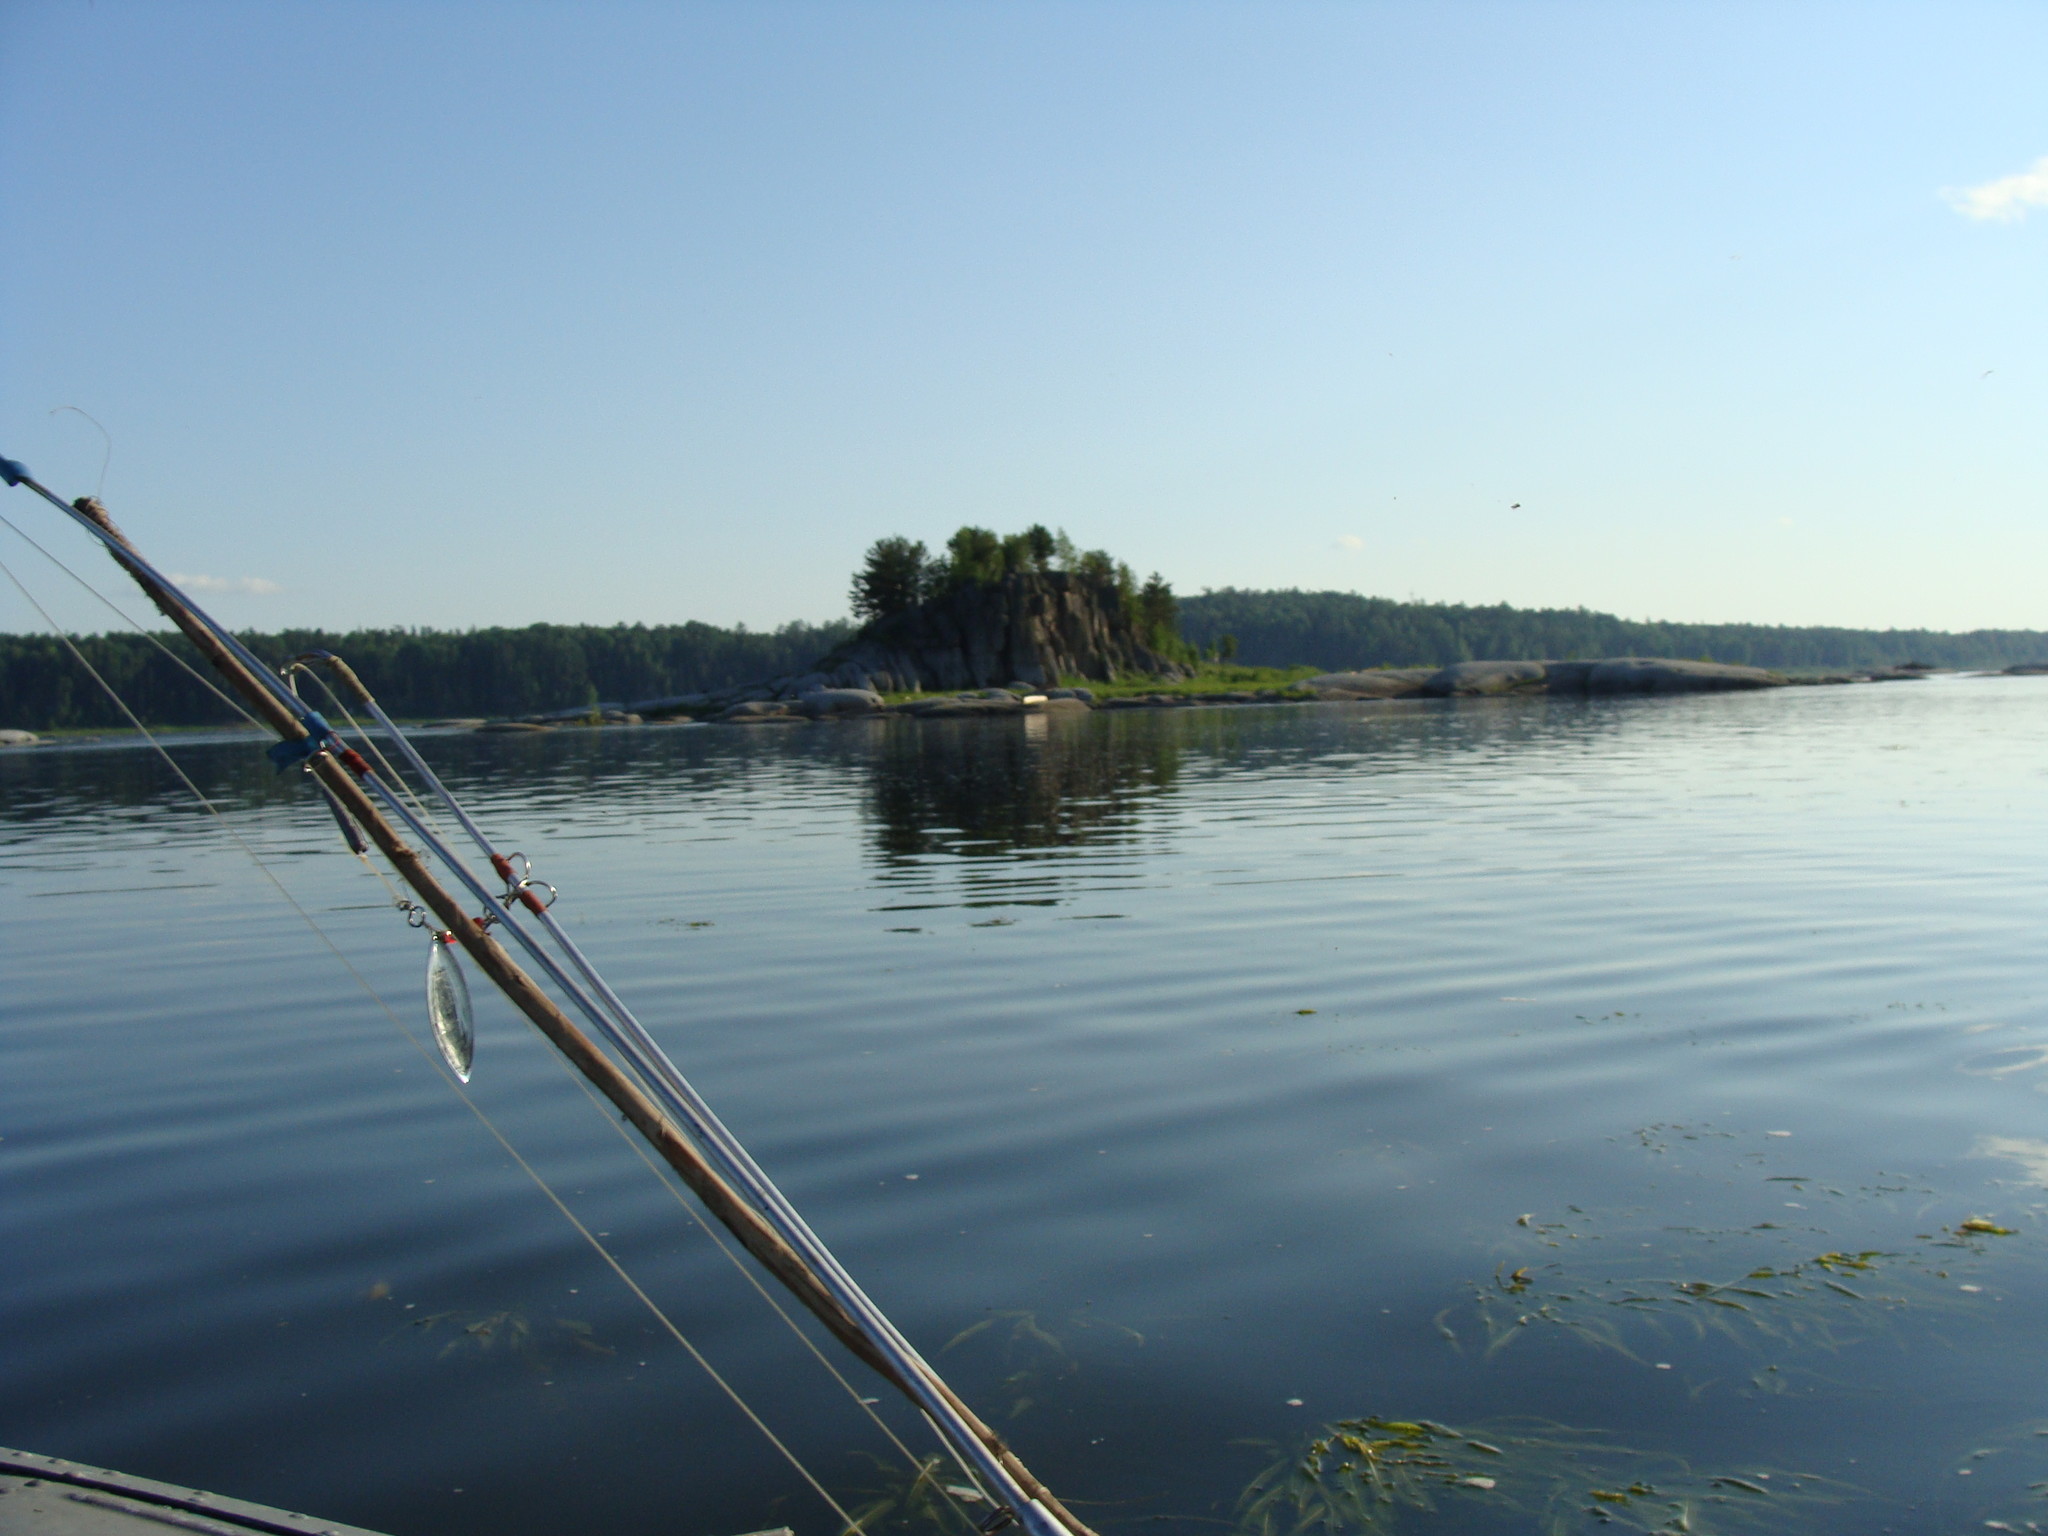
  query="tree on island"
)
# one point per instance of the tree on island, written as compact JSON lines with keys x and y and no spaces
{"x":890,"y":580}
{"x":898,"y":574}
{"x":996,"y":608}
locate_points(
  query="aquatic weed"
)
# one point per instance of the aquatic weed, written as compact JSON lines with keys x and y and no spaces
{"x":1365,"y":1475}
{"x":1610,"y":1294}
{"x":1037,"y":1358}
{"x":920,"y":1498}
{"x":508,"y":1332}
{"x":2008,"y":1472}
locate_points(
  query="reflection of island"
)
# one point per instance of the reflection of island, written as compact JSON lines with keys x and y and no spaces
{"x":968,"y":788}
{"x":93,"y":778}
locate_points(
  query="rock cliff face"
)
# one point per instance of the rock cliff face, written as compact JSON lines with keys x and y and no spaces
{"x":1032,"y":628}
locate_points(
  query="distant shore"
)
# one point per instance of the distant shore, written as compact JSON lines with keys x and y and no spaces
{"x":760,"y":705}
{"x":793,"y":701}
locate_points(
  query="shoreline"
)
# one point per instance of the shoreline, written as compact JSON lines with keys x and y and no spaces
{"x":1631,"y":677}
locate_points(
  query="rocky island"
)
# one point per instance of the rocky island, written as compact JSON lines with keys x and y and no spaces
{"x":1026,"y":623}
{"x":994,"y":621}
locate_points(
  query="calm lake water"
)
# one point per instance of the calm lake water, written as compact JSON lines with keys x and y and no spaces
{"x":1606,"y":1082}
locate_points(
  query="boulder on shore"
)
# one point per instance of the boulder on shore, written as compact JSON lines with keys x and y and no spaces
{"x":1389,"y":683}
{"x":1652,"y":674}
{"x":995,"y":701}
{"x":1470,"y":679}
{"x":1478,"y":679}
{"x":821,"y":702}
{"x":759,"y":712}
{"x":13,"y":738}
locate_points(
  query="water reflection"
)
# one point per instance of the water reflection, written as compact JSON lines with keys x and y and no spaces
{"x":1581,"y":1061}
{"x":121,"y":773}
{"x":963,"y":788}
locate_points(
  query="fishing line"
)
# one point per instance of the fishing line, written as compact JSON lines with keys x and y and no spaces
{"x":298,"y":666}
{"x":290,"y":671}
{"x":411,"y":753}
{"x":531,"y":1172}
{"x":196,"y":675}
{"x":15,"y":473}
{"x":618,"y":1024}
{"x":627,"y":1034}
{"x":635,"y":1034}
{"x":106,"y":454}
{"x":746,"y":1271}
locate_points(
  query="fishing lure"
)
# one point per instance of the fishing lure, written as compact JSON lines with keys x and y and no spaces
{"x":448,"y":1008}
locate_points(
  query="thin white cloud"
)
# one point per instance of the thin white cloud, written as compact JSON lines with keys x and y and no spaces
{"x":1350,"y":541}
{"x":2005,"y":199}
{"x":259,"y":586}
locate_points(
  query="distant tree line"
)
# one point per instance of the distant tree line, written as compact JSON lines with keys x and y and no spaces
{"x":424,"y":673}
{"x":415,"y":673}
{"x":898,"y":574}
{"x":1337,"y":630}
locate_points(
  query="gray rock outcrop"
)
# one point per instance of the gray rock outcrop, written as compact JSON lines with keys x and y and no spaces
{"x":1033,"y":628}
{"x":1470,"y":679}
{"x":1391,"y":683}
{"x":759,"y":712}
{"x":820,"y":702}
{"x":1646,"y":674}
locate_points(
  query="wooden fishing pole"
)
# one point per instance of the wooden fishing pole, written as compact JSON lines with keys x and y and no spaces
{"x":338,"y":775}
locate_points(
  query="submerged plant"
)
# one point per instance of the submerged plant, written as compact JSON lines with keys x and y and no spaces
{"x":506,"y":1332}
{"x":1037,"y":1359}
{"x":1820,"y":1301}
{"x":2008,"y":1473}
{"x":916,"y":1499}
{"x":1367,"y":1475}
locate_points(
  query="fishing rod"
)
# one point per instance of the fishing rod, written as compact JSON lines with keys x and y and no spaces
{"x":632,"y":1038}
{"x":768,"y":1225}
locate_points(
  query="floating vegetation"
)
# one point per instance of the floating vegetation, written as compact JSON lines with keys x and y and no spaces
{"x":1609,"y":1292}
{"x":1658,"y":1137}
{"x":1367,"y":1475}
{"x":1983,"y":1226}
{"x":1824,"y":1301}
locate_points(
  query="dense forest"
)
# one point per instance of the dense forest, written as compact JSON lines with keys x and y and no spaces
{"x":1338,"y":630}
{"x":424,"y":674}
{"x":416,"y":674}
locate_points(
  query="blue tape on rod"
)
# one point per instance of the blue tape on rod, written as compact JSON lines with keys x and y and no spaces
{"x":286,"y":753}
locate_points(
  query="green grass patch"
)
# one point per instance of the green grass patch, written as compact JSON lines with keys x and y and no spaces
{"x":1214,"y":677}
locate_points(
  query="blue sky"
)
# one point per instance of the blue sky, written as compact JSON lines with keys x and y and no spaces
{"x":453,"y":314}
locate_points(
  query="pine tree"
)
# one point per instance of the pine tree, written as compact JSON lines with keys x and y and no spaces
{"x":890,"y":580}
